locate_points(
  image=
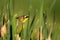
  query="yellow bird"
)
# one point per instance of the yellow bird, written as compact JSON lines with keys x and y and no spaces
{"x":23,"y":18}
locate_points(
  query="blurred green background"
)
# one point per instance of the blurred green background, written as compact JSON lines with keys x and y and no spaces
{"x":35,"y":10}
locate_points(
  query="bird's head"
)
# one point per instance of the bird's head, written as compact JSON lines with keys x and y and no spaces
{"x":23,"y":18}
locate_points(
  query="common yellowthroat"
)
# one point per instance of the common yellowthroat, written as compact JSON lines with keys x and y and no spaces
{"x":23,"y":18}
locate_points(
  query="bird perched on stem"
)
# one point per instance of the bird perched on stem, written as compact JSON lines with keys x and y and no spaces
{"x":3,"y":28}
{"x":21,"y":19}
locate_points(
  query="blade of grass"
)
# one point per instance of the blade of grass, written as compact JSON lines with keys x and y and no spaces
{"x":1,"y":15}
{"x":41,"y":15}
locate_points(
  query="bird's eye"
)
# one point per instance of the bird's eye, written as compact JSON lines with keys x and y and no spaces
{"x":27,"y":16}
